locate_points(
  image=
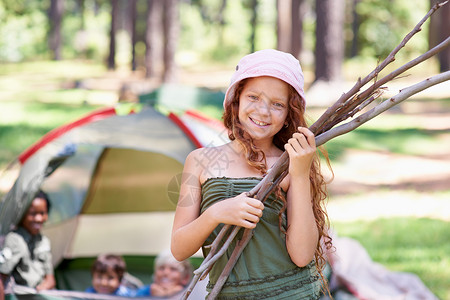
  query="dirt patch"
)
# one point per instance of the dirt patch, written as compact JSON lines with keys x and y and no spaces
{"x":369,"y":185}
{"x":376,"y":204}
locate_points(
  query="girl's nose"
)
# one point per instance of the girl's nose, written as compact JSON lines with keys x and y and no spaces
{"x":263,"y":107}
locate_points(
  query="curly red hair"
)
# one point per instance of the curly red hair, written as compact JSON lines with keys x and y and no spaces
{"x":257,"y":159}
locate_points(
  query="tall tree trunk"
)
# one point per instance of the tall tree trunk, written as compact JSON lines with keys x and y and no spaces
{"x":329,"y":48}
{"x":112,"y":35}
{"x":355,"y":30}
{"x":284,"y":25}
{"x":220,"y":20}
{"x":81,"y":6}
{"x":297,"y":14}
{"x":170,"y":29}
{"x":253,"y":23}
{"x":444,"y":56}
{"x":154,"y":38}
{"x":439,"y":31}
{"x":55,"y":18}
{"x":133,"y":18}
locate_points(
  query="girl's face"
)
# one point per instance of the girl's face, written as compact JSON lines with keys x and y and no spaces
{"x":105,"y":282}
{"x":263,"y":106}
{"x":36,"y":216}
{"x":169,"y":275}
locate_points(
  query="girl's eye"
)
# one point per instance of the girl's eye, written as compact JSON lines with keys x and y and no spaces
{"x":253,"y":97}
{"x":278,"y":104}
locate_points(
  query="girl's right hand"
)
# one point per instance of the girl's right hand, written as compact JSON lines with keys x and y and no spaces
{"x":240,"y":210}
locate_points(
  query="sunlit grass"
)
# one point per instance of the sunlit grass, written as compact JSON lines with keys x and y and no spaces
{"x":22,"y":123}
{"x":419,"y":246}
{"x":413,"y":141}
{"x":55,"y":69}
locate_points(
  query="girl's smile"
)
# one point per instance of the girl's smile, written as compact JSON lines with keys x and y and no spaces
{"x":260,"y":123}
{"x":36,"y":216}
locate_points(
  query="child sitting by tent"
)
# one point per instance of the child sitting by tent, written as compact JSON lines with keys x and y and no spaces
{"x":170,"y":277}
{"x":26,"y":259}
{"x":107,"y":274}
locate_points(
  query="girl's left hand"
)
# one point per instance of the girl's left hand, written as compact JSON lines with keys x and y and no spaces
{"x":301,"y":148}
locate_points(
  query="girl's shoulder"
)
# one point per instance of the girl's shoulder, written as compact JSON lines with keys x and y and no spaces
{"x":15,"y":237}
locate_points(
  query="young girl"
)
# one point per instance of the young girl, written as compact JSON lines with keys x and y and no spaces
{"x":264,"y":113}
{"x":26,"y":256}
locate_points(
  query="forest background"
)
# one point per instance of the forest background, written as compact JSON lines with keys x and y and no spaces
{"x":60,"y":59}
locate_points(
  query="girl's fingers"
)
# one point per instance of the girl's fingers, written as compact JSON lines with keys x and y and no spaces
{"x":309,"y":135}
{"x":252,"y":210}
{"x":248,"y":224}
{"x":290,"y":149}
{"x":298,"y":142}
{"x":252,"y":218}
{"x":255,"y":212}
{"x":302,"y":140}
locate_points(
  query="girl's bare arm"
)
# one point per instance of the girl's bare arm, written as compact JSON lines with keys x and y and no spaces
{"x":302,"y":233}
{"x":190,"y":228}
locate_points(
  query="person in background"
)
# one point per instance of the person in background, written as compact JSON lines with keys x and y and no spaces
{"x":107,"y":273}
{"x":170,"y":277}
{"x":26,"y":258}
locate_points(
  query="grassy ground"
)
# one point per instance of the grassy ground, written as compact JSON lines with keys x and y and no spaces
{"x":400,"y":158}
{"x":416,"y":245}
{"x":23,"y":123}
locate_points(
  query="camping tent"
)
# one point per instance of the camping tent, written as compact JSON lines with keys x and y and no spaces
{"x":112,"y":180}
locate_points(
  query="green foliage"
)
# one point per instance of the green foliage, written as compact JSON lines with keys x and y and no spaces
{"x":384,"y":23}
{"x":21,"y":38}
{"x":419,"y":246}
{"x":217,"y":38}
{"x":22,"y":7}
{"x":206,"y":34}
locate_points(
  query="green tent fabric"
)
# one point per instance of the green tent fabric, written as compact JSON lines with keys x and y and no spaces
{"x":169,"y":95}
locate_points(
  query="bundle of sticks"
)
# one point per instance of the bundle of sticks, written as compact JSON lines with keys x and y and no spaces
{"x":351,"y":104}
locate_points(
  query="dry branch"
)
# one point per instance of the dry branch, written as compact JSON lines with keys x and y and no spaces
{"x":347,"y":106}
{"x":404,"y":94}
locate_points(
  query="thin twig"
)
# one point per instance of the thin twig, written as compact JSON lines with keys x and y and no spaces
{"x":327,"y":116}
{"x":240,"y":245}
{"x":385,"y":105}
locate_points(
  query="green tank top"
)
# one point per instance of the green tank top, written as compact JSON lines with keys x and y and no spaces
{"x":264,"y":270}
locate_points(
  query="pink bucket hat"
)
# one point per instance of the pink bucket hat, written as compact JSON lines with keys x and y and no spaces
{"x":268,"y":62}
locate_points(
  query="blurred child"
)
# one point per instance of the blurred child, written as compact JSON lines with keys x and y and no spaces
{"x":26,"y":256}
{"x":107,"y":273}
{"x":170,"y":277}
